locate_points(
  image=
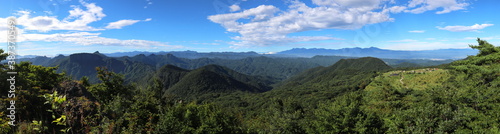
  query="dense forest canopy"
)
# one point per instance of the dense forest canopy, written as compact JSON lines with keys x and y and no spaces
{"x":358,"y":95}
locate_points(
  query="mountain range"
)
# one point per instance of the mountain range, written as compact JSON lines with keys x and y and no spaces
{"x":382,"y":53}
{"x":310,"y":52}
{"x":140,"y":67}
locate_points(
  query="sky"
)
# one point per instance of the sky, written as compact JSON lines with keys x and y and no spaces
{"x":52,"y":27}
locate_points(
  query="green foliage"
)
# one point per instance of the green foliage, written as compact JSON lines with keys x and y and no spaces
{"x":4,"y":126}
{"x":3,"y":56}
{"x":85,"y":81}
{"x":485,"y":48}
{"x":345,"y":115}
{"x":37,"y":127}
{"x":54,"y":100}
{"x":112,"y":84}
{"x":281,"y":116}
{"x":33,"y":76}
{"x":192,"y":118}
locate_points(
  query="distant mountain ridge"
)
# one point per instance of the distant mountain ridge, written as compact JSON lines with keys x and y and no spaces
{"x":439,"y":54}
{"x":190,"y":54}
{"x":381,"y":53}
{"x":138,"y":68}
{"x":311,"y":52}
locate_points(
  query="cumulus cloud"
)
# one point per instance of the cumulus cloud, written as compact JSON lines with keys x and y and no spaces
{"x":473,"y":28}
{"x":420,"y":6}
{"x":417,"y":31}
{"x":234,"y":8}
{"x":269,"y":25}
{"x":348,"y":3}
{"x":86,"y":38}
{"x":73,"y":28}
{"x":397,"y":9}
{"x":78,"y":19}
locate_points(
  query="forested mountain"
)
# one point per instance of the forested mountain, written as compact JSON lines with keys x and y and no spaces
{"x":325,"y":83}
{"x":207,"y":79}
{"x":84,"y":64}
{"x":342,"y":67}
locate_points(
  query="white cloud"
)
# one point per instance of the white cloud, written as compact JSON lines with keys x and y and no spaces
{"x":86,"y":38}
{"x":365,"y":5}
{"x":34,"y":28}
{"x":269,"y":25}
{"x":78,"y":19}
{"x":473,"y":28}
{"x":417,"y":31}
{"x":420,"y":6}
{"x":3,"y":25}
{"x":121,"y":23}
{"x":397,"y":9}
{"x":234,"y":8}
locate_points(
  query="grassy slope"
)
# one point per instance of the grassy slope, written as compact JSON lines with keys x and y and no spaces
{"x":418,"y":79}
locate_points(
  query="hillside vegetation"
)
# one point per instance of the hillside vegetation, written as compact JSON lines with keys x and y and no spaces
{"x":207,"y":80}
{"x":362,"y":95}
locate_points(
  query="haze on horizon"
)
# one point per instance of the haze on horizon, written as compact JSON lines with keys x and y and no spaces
{"x":51,"y":27}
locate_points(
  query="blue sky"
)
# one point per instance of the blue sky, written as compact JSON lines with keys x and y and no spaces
{"x":51,"y":27}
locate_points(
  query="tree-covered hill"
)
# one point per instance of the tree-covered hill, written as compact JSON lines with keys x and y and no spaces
{"x":83,"y":64}
{"x":340,"y":73}
{"x":190,"y":84}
